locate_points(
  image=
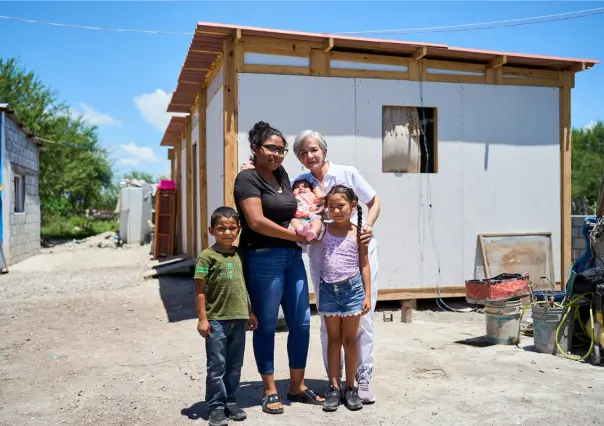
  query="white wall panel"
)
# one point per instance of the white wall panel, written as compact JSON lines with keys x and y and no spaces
{"x":511,"y":165}
{"x":214,"y":156}
{"x":420,"y":224}
{"x":292,"y":104}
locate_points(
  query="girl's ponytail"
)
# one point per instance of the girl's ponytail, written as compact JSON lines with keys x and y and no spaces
{"x":359,"y":221}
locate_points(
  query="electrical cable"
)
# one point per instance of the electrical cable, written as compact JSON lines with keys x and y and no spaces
{"x":441,"y":29}
{"x":484,"y":25}
{"x":424,"y":143}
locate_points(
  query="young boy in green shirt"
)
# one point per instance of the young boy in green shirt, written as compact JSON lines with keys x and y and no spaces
{"x":224,"y":315}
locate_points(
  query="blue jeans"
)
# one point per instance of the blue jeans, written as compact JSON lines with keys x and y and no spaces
{"x":225,"y":347}
{"x":276,"y":276}
{"x":344,"y":298}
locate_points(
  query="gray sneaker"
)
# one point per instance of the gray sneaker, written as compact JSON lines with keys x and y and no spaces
{"x":217,"y":418}
{"x":235,"y":413}
{"x":351,"y":398}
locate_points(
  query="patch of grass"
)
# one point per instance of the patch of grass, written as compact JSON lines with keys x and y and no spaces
{"x":76,"y":227}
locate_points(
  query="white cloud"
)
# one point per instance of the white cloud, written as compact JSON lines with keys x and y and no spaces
{"x":152,"y":107}
{"x":590,"y":125}
{"x":133,"y":155}
{"x":90,"y":116}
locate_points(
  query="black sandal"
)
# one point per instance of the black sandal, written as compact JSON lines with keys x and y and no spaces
{"x":308,"y":396}
{"x":271,"y":399}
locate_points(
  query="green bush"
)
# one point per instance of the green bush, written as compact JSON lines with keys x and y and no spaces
{"x":76,"y":227}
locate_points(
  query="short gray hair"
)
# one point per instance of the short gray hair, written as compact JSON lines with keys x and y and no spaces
{"x":305,"y":134}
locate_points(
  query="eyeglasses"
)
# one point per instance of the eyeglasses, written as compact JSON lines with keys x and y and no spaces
{"x":274,"y":149}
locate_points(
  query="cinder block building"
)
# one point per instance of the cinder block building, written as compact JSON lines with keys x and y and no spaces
{"x":20,"y":200}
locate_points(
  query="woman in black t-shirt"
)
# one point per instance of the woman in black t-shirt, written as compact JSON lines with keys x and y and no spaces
{"x":273,"y":267}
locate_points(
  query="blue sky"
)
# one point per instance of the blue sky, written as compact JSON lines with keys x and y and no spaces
{"x":122,"y":81}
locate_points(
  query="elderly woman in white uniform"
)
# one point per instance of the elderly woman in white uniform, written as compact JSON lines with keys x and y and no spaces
{"x":311,"y":149}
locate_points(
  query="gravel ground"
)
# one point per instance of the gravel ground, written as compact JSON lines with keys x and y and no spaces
{"x":85,"y":340}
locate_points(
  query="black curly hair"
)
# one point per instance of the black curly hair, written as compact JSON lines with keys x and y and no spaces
{"x":349,"y":196}
{"x":260,"y":133}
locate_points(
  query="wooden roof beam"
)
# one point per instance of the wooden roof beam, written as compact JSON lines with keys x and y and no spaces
{"x":237,"y":36}
{"x":419,"y":53}
{"x":329,"y":44}
{"x":497,"y":62}
{"x":581,"y":66}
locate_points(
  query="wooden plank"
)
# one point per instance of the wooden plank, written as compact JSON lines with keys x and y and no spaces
{"x":419,"y":53}
{"x":230,"y":116}
{"x":355,"y":73}
{"x":565,"y":177}
{"x":319,"y":62}
{"x":530,"y":73}
{"x":455,"y":66}
{"x":189,"y":188}
{"x":215,"y":69}
{"x":415,"y":293}
{"x":407,"y":311}
{"x":238,"y":58}
{"x":497,"y":62}
{"x":455,"y":78}
{"x":158,"y":263}
{"x":494,"y":75}
{"x":279,"y":45}
{"x":170,"y":269}
{"x":369,"y":59}
{"x":534,"y":82}
{"x":275,"y":69}
{"x":203,"y":182}
{"x":329,"y":44}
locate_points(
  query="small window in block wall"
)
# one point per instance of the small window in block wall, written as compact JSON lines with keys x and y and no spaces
{"x":19,"y":188}
{"x":409,"y":142}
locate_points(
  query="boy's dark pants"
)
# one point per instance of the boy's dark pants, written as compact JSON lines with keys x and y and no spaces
{"x":225,"y":347}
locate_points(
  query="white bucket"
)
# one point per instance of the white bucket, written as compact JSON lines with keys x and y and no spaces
{"x":503,"y":322}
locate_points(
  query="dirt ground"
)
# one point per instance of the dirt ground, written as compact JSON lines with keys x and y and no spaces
{"x":85,"y":340}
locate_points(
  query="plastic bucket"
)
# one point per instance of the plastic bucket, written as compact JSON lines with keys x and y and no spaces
{"x":503,"y":322}
{"x":545,"y":323}
{"x":558,"y":295}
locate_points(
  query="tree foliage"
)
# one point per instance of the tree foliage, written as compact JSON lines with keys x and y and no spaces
{"x":587,"y":166}
{"x":74,"y":169}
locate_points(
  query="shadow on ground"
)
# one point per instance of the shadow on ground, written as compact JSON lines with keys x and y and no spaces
{"x":249,"y":395}
{"x":177,"y":294}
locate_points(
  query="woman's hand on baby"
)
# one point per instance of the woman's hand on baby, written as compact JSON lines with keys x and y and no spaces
{"x":366,"y":307}
{"x":248,"y":165}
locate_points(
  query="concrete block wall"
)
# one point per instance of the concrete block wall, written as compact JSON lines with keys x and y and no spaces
{"x":22,"y":154}
{"x":578,"y":243}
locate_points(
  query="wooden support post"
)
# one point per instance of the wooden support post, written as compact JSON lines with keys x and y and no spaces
{"x":565,"y":175}
{"x":417,"y":65}
{"x":494,"y":70}
{"x":171,"y":158}
{"x":319,"y":63}
{"x":203,"y":179}
{"x":230,"y":117}
{"x":189,"y":187}
{"x":178,"y":183}
{"x":407,"y":310}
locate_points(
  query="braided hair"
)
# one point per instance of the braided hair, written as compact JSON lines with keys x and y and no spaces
{"x":349,"y":196}
{"x":260,"y":133}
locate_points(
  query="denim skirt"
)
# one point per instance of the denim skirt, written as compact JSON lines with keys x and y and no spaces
{"x":343,"y":298}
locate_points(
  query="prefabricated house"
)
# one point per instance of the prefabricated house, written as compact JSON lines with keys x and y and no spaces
{"x":20,"y":201}
{"x":460,"y":144}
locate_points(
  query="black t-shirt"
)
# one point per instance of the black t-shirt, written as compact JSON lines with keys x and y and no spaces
{"x":277,"y":207}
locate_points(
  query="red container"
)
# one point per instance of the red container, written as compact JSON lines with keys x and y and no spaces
{"x":497,"y":289}
{"x":166,"y":185}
